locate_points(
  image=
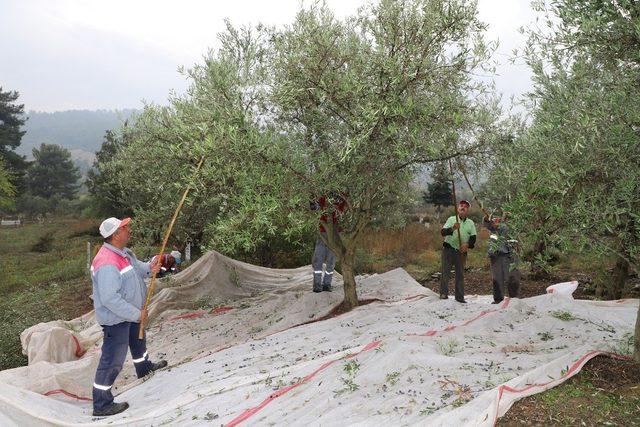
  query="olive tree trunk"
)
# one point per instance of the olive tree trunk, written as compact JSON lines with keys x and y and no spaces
{"x":344,"y":246}
{"x":349,"y":280}
{"x":620,"y":276}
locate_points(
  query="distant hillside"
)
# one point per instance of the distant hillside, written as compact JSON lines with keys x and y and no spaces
{"x":74,"y":129}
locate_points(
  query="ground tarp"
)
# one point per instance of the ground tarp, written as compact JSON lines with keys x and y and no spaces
{"x":244,"y":346}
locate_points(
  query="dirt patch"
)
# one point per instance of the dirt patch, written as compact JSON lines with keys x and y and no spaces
{"x":477,"y":281}
{"x":605,"y":371}
{"x":76,"y":300}
{"x":605,"y":392}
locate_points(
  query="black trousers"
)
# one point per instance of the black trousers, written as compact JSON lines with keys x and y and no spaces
{"x":117,"y":338}
{"x":321,"y":255}
{"x":451,"y":257}
{"x":503,"y":272}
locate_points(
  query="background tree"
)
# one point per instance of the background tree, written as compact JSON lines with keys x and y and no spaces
{"x":34,"y":206}
{"x":439,"y":191}
{"x":7,"y":190}
{"x":321,"y":106}
{"x":572,"y":174}
{"x":11,"y":122}
{"x":52,"y":173}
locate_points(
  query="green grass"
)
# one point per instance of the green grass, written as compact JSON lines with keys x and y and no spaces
{"x":65,"y":260}
{"x":590,"y":402}
{"x":605,"y":392}
{"x":50,"y":284}
{"x":563,"y":315}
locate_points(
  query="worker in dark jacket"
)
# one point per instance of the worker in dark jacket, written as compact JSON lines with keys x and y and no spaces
{"x":454,"y":247}
{"x":503,"y":254}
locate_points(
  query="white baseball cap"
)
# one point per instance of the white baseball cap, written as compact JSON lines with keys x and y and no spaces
{"x":110,"y":225}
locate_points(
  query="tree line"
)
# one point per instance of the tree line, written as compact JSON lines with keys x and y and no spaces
{"x":47,"y":183}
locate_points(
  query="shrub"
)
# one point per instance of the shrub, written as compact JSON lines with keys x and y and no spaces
{"x":44,"y":243}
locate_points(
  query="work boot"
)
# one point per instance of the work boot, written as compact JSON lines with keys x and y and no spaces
{"x":317,"y":288}
{"x":496,"y":302}
{"x":461,"y":301}
{"x":114,"y":408}
{"x":326,"y":288}
{"x":443,"y":296}
{"x":158,"y":365}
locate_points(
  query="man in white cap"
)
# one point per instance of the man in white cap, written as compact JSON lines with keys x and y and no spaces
{"x":177,"y":257}
{"x":119,"y":293}
{"x":169,"y":263}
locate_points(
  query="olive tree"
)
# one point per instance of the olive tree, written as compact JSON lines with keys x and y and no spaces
{"x":571,"y":176}
{"x":357,"y":104}
{"x":323,"y":105}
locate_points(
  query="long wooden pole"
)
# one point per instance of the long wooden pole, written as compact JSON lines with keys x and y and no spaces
{"x":164,"y":245}
{"x":455,"y":207}
{"x":472,"y":192}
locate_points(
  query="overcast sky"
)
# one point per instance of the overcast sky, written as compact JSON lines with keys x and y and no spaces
{"x":90,"y":54}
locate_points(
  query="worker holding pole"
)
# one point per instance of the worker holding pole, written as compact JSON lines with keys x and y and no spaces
{"x":119,"y":293}
{"x":459,"y":234}
{"x":121,"y":300}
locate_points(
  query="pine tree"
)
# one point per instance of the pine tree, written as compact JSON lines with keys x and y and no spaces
{"x":439,"y":190}
{"x":11,"y":122}
{"x":52,"y":173}
{"x":102,"y":179}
